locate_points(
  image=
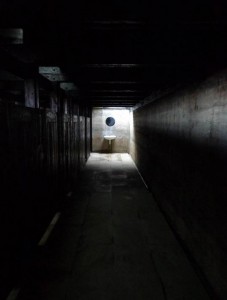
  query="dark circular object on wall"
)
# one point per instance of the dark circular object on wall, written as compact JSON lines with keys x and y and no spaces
{"x":110,"y":121}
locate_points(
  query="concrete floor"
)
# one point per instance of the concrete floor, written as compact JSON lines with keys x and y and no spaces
{"x":111,"y":243}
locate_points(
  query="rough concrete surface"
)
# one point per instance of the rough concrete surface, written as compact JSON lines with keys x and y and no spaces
{"x":111,"y":242}
{"x":179,"y":144}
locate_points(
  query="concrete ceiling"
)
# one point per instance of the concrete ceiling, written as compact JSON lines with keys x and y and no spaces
{"x":116,"y":52}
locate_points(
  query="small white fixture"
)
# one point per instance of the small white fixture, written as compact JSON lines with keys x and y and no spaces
{"x":109,"y":138}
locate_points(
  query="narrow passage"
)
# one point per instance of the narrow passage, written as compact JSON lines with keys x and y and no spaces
{"x":111,"y":243}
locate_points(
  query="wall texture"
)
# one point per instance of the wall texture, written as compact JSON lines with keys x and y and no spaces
{"x":179,"y":144}
{"x":120,"y":129}
{"x":41,"y":153}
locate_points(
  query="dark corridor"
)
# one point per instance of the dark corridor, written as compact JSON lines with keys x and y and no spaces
{"x":163,"y":64}
{"x":111,"y":242}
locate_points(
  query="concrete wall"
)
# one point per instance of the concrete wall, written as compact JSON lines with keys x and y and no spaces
{"x":120,"y":129}
{"x":179,"y":144}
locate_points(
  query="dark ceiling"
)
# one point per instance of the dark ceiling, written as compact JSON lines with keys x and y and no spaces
{"x":117,"y":52}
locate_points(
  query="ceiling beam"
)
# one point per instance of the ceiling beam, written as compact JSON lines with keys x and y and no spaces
{"x":15,"y":66}
{"x":7,"y":76}
{"x":11,"y":36}
{"x":68,"y":86}
{"x":148,"y":25}
{"x":117,"y":91}
{"x":112,"y":105}
{"x":110,"y":97}
{"x":118,"y":100}
{"x":14,"y":69}
{"x":116,"y":82}
{"x":12,"y":85}
{"x":53,"y":73}
{"x":114,"y":22}
{"x":113,"y":66}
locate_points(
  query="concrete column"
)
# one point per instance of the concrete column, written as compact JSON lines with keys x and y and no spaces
{"x":54,"y":99}
{"x":31,"y":88}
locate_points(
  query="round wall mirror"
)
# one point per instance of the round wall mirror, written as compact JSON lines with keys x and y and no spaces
{"x":110,"y":121}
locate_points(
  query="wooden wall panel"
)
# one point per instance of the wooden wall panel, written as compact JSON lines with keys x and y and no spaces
{"x":41,"y":153}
